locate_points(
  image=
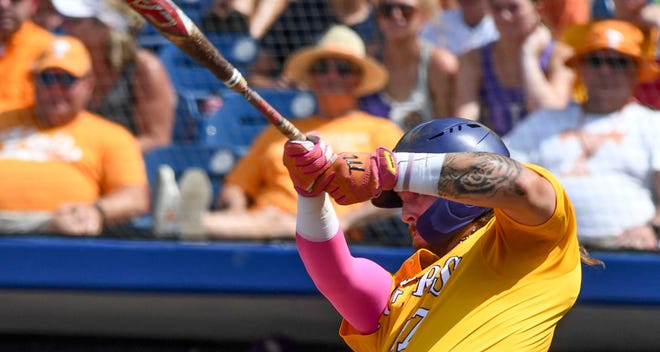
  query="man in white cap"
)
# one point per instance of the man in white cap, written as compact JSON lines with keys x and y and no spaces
{"x":64,"y":169}
{"x":257,"y":197}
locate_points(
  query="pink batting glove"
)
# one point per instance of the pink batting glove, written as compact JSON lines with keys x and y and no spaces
{"x":306,"y":161}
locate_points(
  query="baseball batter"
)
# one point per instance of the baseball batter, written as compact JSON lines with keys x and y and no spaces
{"x":497,"y":262}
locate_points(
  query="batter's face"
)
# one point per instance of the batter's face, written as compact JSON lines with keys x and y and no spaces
{"x":414,"y":205}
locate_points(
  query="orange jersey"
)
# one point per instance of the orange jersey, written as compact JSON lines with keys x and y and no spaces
{"x":16,"y":60}
{"x":263,"y":176}
{"x":41,"y":168}
{"x":502,"y":289}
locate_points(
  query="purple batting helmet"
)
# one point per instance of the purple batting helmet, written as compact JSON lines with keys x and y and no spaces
{"x":444,"y":135}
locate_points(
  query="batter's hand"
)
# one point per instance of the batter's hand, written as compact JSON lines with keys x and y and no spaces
{"x":359,"y":177}
{"x":307,"y":161}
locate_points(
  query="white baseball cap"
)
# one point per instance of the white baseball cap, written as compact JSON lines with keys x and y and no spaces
{"x":98,"y":9}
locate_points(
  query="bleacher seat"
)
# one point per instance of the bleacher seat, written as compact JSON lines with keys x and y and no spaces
{"x":186,"y":73}
{"x":194,"y":83}
{"x":237,"y":122}
{"x":602,"y":9}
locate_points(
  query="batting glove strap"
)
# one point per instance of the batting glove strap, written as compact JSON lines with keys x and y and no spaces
{"x":419,"y":172}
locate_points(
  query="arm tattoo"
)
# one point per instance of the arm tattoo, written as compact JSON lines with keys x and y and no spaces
{"x":478,"y":173}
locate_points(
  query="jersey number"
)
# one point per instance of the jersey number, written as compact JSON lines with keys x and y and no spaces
{"x":409,"y":329}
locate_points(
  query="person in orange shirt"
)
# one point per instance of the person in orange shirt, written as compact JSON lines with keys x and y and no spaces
{"x":64,"y":169}
{"x":21,"y":43}
{"x":258,"y":198}
{"x":561,"y":14}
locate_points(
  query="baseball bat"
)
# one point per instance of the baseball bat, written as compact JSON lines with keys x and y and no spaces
{"x":179,"y":29}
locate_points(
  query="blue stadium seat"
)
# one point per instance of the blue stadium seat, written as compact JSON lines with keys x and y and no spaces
{"x":186,"y":73}
{"x":194,"y":83}
{"x":602,"y":9}
{"x":237,"y":122}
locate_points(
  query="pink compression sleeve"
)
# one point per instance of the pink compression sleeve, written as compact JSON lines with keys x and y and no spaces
{"x":357,"y":287}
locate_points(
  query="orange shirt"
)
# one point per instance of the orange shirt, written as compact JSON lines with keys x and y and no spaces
{"x":561,"y":14}
{"x":261,"y":174}
{"x":16,"y":60}
{"x":41,"y":168}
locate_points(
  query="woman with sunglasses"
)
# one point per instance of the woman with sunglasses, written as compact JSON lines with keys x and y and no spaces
{"x":522,"y":71}
{"x":257,"y":200}
{"x":604,"y":150}
{"x":421,"y":75}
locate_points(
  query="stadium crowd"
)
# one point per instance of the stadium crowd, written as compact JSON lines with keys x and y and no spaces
{"x":509,"y":64}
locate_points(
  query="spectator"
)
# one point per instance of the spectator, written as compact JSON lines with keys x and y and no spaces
{"x":132,"y":86}
{"x":64,"y":169}
{"x":497,"y":261}
{"x":360,"y":16}
{"x":646,"y":16}
{"x":223,"y":17}
{"x":257,"y":198}
{"x":299,"y":25}
{"x":605,"y":151}
{"x":284,"y":26}
{"x":262,"y":14}
{"x":421,"y":75}
{"x":462,"y":29}
{"x":558,"y":15}
{"x":522,"y":71}
{"x":47,"y":16}
{"x":21,"y":43}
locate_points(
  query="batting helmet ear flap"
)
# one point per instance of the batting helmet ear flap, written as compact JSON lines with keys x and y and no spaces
{"x":444,"y":217}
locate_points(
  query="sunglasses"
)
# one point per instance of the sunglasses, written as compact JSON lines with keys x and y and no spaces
{"x":620,"y":63}
{"x":65,"y":80}
{"x":386,"y":9}
{"x":343,"y":67}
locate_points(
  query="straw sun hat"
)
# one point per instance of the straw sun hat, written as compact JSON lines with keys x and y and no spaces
{"x":338,"y":42}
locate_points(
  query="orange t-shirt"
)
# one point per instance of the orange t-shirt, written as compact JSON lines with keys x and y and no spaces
{"x":263,"y":176}
{"x":562,"y":14}
{"x":42,"y":167}
{"x":17,"y":57}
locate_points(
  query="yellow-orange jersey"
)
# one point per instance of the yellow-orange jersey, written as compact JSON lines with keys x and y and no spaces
{"x":502,"y":289}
